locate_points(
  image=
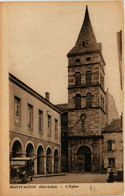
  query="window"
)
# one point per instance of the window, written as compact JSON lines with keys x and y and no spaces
{"x":88,"y":100}
{"x":30,"y":116}
{"x":17,"y":110}
{"x":77,"y":78}
{"x":111,"y":145}
{"x":88,"y":78}
{"x":49,"y":125}
{"x":78,"y":101}
{"x":40,"y":120}
{"x":83,"y":44}
{"x":88,"y":58}
{"x":77,"y":60}
{"x":56,"y":128}
{"x":111,"y":162}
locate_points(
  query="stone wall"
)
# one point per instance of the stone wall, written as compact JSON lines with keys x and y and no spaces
{"x":93,"y":143}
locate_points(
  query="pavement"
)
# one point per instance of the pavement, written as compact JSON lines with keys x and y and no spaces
{"x":70,"y":178}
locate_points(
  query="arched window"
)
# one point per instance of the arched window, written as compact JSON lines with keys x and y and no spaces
{"x":78,"y":101}
{"x":77,"y":78}
{"x":88,"y":78}
{"x":88,"y":100}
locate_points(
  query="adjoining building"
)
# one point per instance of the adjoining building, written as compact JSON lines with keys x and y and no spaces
{"x":35,"y":127}
{"x":113,"y":145}
{"x":90,"y":108}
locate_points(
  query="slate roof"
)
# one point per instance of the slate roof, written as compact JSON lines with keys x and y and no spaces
{"x":87,"y":35}
{"x":115,"y":126}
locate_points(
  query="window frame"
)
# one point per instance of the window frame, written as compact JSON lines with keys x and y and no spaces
{"x":111,"y":162}
{"x":56,"y":129}
{"x":40,"y":119}
{"x":17,"y":118}
{"x":111,"y":145}
{"x":49,"y":123}
{"x":30,"y":115}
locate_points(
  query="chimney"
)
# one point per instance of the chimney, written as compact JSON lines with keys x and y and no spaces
{"x":47,"y":95}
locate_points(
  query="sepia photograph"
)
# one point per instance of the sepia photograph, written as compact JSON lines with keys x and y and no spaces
{"x":62,"y":63}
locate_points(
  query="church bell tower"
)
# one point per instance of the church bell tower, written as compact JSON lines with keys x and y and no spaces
{"x":86,"y":101}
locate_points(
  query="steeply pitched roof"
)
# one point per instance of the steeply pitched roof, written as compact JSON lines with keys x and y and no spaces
{"x":87,"y":36}
{"x":115,"y":126}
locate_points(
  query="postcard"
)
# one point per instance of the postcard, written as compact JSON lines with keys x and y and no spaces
{"x":62,"y":98}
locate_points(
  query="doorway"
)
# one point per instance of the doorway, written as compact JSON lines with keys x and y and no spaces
{"x":83,"y":159}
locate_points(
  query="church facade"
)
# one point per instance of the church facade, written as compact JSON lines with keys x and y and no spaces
{"x":86,"y":114}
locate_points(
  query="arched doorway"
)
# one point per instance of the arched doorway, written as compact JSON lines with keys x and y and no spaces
{"x":17,"y":149}
{"x":56,"y":162}
{"x":29,"y":150}
{"x":49,"y":161}
{"x":40,"y":160}
{"x":83,"y":159}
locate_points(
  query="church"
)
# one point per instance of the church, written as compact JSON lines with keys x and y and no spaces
{"x":91,"y":131}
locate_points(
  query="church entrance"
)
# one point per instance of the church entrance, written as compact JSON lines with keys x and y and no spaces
{"x":83,"y":159}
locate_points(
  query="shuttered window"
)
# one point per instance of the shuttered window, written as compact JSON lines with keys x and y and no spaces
{"x":111,"y":145}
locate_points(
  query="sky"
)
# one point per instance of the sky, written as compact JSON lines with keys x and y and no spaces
{"x":38,"y":36}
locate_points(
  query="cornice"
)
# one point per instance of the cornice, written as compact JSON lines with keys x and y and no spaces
{"x":29,"y":90}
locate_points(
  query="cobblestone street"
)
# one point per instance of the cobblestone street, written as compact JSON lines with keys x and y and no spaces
{"x":71,"y":178}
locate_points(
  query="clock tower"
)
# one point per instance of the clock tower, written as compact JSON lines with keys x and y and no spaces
{"x":86,"y":102}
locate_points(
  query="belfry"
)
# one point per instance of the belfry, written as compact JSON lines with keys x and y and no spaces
{"x":86,"y":101}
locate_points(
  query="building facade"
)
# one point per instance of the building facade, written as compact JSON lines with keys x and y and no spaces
{"x":90,"y":108}
{"x":86,"y":101}
{"x":35,"y":127}
{"x":113,"y":145}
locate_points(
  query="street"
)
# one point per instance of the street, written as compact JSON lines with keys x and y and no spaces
{"x":71,"y":178}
